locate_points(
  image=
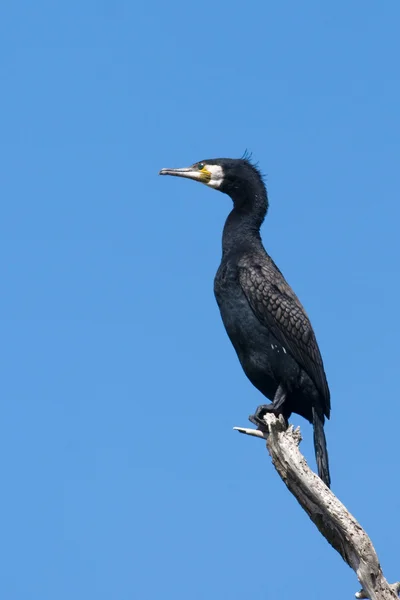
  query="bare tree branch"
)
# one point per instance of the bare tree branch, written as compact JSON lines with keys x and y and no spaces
{"x":331,"y":517}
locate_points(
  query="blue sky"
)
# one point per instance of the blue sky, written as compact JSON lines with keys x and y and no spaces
{"x":121,"y":475}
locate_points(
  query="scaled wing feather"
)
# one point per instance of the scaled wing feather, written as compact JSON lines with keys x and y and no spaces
{"x":277,"y":307}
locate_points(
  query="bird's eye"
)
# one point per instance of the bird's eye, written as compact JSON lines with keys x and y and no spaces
{"x":200,"y":166}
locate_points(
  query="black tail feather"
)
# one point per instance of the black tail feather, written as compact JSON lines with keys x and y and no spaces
{"x":321,"y":451}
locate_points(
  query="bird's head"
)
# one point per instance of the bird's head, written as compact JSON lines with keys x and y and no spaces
{"x":228,"y":175}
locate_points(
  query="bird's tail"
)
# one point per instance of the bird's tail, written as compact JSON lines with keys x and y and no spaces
{"x":321,"y":451}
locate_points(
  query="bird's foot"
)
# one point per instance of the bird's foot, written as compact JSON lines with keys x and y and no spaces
{"x":261,"y":411}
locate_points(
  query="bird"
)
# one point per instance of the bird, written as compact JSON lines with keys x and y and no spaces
{"x":265,"y":321}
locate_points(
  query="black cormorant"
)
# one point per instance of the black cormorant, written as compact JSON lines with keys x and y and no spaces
{"x":263,"y":317}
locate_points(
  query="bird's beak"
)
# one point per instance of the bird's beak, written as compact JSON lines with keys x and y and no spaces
{"x":188,"y":172}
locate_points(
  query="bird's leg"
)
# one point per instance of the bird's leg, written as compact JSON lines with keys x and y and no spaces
{"x":275,"y":407}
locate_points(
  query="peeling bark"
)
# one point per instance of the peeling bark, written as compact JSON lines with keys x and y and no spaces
{"x":325,"y":510}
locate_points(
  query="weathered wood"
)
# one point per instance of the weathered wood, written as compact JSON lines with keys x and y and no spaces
{"x":325,"y":510}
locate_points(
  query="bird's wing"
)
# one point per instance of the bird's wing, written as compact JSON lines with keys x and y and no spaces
{"x":277,"y":307}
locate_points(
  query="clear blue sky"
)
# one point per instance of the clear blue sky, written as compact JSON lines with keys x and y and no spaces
{"x":121,"y":477}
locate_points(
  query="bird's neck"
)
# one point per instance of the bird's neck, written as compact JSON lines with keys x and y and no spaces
{"x":242,"y":227}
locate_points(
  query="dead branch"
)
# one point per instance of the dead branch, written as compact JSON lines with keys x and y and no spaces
{"x":330,"y":516}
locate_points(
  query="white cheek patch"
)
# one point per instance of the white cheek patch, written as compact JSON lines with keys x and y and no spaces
{"x":217,"y":176}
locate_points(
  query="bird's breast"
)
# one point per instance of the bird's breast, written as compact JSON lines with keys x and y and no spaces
{"x":241,"y":324}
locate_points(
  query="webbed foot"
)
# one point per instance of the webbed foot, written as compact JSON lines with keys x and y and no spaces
{"x":277,"y":407}
{"x":261,"y":411}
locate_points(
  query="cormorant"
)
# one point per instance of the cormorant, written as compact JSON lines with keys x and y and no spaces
{"x":263,"y":317}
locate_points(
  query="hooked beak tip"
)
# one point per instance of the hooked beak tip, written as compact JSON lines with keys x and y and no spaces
{"x":186,"y":172}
